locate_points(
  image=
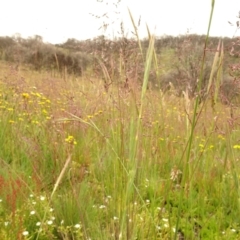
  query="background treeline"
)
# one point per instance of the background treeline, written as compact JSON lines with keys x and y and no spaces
{"x":120,"y":61}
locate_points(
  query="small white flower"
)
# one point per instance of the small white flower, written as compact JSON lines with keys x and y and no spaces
{"x":34,"y":203}
{"x":147,"y":201}
{"x":165,"y":219}
{"x":107,"y":199}
{"x":31,"y":195}
{"x":158,"y":227}
{"x":51,"y":210}
{"x":25,"y":233}
{"x":0,"y":200}
{"x":115,"y":218}
{"x":166,"y":225}
{"x":233,"y":230}
{"x":32,"y":212}
{"x":49,"y":222}
{"x":174,"y":229}
{"x":102,"y":206}
{"x":62,"y":222}
{"x":42,"y":198}
{"x":6,"y":224}
{"x":38,"y":224}
{"x":77,"y":225}
{"x":53,"y":218}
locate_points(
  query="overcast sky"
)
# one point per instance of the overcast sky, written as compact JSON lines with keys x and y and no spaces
{"x":58,"y":20}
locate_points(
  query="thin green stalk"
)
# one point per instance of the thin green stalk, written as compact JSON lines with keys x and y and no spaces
{"x":143,"y":93}
{"x":187,"y":168}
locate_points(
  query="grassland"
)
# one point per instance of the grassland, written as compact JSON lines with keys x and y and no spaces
{"x":77,"y":162}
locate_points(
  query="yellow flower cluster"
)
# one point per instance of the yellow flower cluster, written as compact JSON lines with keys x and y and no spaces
{"x":25,"y":95}
{"x":236,"y":146}
{"x":71,"y":140}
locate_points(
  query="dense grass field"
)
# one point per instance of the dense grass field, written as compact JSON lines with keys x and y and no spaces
{"x":77,"y":162}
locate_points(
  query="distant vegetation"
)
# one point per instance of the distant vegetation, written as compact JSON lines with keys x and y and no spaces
{"x":120,"y":61}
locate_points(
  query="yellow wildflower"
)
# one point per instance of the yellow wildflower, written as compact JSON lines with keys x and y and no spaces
{"x":236,"y":146}
{"x":70,"y":139}
{"x":25,"y":95}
